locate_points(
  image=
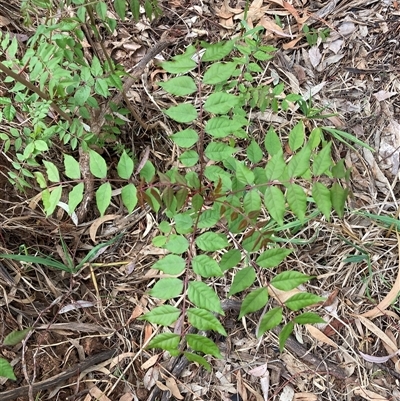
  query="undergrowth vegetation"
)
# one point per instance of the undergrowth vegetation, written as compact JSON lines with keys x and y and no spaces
{"x":233,"y":200}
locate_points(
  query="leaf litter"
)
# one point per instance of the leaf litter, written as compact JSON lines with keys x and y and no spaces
{"x":354,"y":74}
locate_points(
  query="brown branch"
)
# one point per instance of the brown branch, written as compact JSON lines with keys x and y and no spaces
{"x":58,"y":379}
{"x":33,"y":88}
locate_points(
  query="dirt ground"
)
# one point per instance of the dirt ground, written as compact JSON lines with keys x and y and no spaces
{"x":96,"y":353}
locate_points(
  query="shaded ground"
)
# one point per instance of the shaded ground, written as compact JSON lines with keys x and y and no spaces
{"x":354,"y":73}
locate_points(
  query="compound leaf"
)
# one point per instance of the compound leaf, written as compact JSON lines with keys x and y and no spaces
{"x":103,"y":197}
{"x":211,"y":241}
{"x":166,"y":341}
{"x":183,"y":113}
{"x":322,"y":198}
{"x":288,"y":280}
{"x":197,"y":359}
{"x":204,"y":320}
{"x":243,"y":279}
{"x":284,"y":335}
{"x":203,"y":344}
{"x":201,"y":295}
{"x":97,"y":165}
{"x":254,"y":301}
{"x":206,"y":266}
{"x":272,"y":257}
{"x":167,"y":288}
{"x":163,"y":315}
{"x":275,"y":203}
{"x":129,"y":197}
{"x":179,"y":86}
{"x":125,"y":166}
{"x":270,"y":320}
{"x":302,"y":300}
{"x":170,"y":264}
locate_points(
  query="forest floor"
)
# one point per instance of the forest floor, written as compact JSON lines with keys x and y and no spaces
{"x":354,"y":73}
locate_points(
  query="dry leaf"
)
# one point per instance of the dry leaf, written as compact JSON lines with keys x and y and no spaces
{"x":287,"y":393}
{"x":305,"y":397}
{"x":383,"y":95}
{"x":98,"y":222}
{"x":98,"y":394}
{"x":369,"y":395}
{"x":390,"y":297}
{"x":378,"y":332}
{"x":320,"y":336}
{"x":315,"y":56}
{"x":151,"y":376}
{"x":173,"y":388}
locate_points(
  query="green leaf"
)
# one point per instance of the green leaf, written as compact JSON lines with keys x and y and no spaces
{"x":183,"y":113}
{"x":252,"y":201}
{"x":177,"y":244}
{"x":254,"y":152}
{"x":197,"y":202}
{"x":275,"y":167}
{"x":299,"y":163}
{"x":189,"y":158}
{"x":170,"y":264}
{"x":322,"y":198}
{"x":129,"y":197}
{"x":275,"y":203}
{"x":338,"y":198}
{"x":218,"y":51}
{"x":125,"y":166}
{"x":219,"y":72}
{"x":103,"y":197}
{"x":243,"y":279}
{"x":230,"y":259}
{"x":314,"y":138}
{"x":52,"y":171}
{"x":284,"y":335}
{"x":197,"y":359}
{"x":308,"y":318}
{"x":166,"y":341}
{"x":208,"y":218}
{"x":272,"y":257}
{"x":16,"y":336}
{"x":343,"y":136}
{"x":211,"y":241}
{"x":120,"y":8}
{"x":323,"y":160}
{"x":254,"y":301}
{"x":183,"y":223}
{"x":6,"y":369}
{"x":221,"y":126}
{"x":296,"y":136}
{"x":218,"y":151}
{"x":288,"y":280}
{"x":220,"y":102}
{"x":206,"y":266}
{"x":148,"y":171}
{"x":302,"y":300}
{"x":163,"y":315}
{"x":54,"y":198}
{"x":179,"y":86}
{"x":180,"y":66}
{"x":41,"y":145}
{"x":203,"y":344}
{"x":35,"y":259}
{"x":270,"y":320}
{"x":204,"y":320}
{"x":75,"y":197}
{"x":185,"y":138}
{"x":81,"y":95}
{"x":297,"y":200}
{"x":202,"y":296}
{"x":72,"y":168}
{"x":167,"y":288}
{"x":97,"y":165}
{"x":272,"y":142}
{"x":243,"y":173}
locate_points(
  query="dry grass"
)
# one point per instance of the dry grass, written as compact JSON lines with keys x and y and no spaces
{"x":355,"y":261}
